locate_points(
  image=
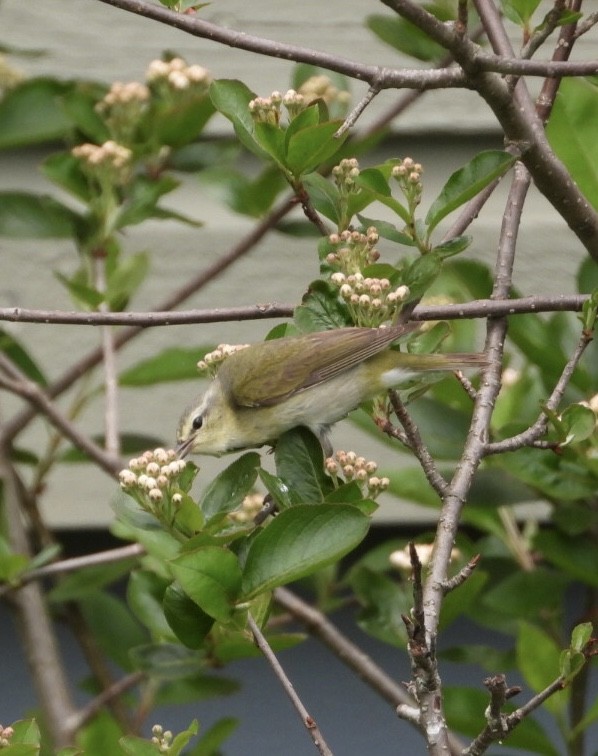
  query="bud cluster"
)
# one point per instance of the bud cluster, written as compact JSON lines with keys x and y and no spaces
{"x":251,"y":506}
{"x":122,"y":108}
{"x":212,"y":360}
{"x":6,"y":734}
{"x":267,"y":109}
{"x":161,"y":738}
{"x":353,"y":250}
{"x":176,"y":75}
{"x":152,"y":477}
{"x":359,"y":469}
{"x":409,"y":176}
{"x":345,"y":174}
{"x":110,"y":162}
{"x":371,"y":301}
{"x":321,"y":88}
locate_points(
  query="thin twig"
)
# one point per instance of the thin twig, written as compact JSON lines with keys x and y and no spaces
{"x":307,"y":720}
{"x":417,"y":445}
{"x":75,"y":563}
{"x":116,"y":690}
{"x":538,"y":429}
{"x":19,"y":384}
{"x":351,"y":119}
{"x":450,"y":584}
{"x":320,"y":627}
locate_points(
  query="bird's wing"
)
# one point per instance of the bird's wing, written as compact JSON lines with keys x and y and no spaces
{"x":266,"y":374}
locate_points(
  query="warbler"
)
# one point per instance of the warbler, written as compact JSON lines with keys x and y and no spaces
{"x":312,"y":380}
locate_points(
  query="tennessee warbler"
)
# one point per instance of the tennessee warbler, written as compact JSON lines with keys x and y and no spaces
{"x":312,"y":380}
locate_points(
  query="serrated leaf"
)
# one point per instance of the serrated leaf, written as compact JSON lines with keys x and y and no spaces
{"x":300,"y":541}
{"x":211,"y":577}
{"x":230,"y":487}
{"x":321,"y":309}
{"x":466,"y":182}
{"x":232,"y":98}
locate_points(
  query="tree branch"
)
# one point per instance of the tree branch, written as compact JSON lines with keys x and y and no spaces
{"x":522,"y":128}
{"x":388,"y":78}
{"x":479,"y":308}
{"x":306,"y":718}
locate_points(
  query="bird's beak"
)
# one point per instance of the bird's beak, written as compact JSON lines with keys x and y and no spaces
{"x":184,"y":448}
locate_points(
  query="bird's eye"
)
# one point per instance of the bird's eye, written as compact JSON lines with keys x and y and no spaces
{"x":197,"y":422}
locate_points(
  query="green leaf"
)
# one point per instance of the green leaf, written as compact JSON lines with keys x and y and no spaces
{"x":538,"y":660}
{"x":167,"y":661}
{"x":312,"y":146}
{"x":211,"y":577}
{"x":180,"y":123}
{"x":20,"y":357}
{"x":189,"y":623}
{"x":578,"y":423}
{"x":300,"y":464}
{"x":125,"y":279}
{"x":373,"y":180}
{"x":300,"y":541}
{"x":79,"y":103}
{"x":467,"y":182}
{"x":576,"y":556}
{"x":405,"y":37}
{"x":182,"y":738}
{"x":231,"y":486}
{"x":324,"y":195}
{"x":321,"y":309}
{"x":571,"y":135}
{"x":383,"y":602}
{"x":277,"y":488}
{"x":386,"y":230}
{"x":24,"y":215}
{"x":135,"y":746}
{"x":79,"y":584}
{"x":232,"y":98}
{"x":536,"y":594}
{"x":32,"y":113}
{"x":580,"y":636}
{"x":171,"y":364}
{"x":457,"y":602}
{"x":145,"y":594}
{"x":116,"y":632}
{"x":271,"y":139}
{"x":519,"y":11}
{"x":214,"y":736}
{"x":64,"y":169}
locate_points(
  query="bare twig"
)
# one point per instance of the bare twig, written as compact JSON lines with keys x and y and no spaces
{"x":538,"y":429}
{"x":306,"y":718}
{"x":97,"y":704}
{"x":451,"y":583}
{"x":74,"y":564}
{"x":20,"y":385}
{"x":351,"y":119}
{"x":479,"y":308}
{"x":417,"y":445}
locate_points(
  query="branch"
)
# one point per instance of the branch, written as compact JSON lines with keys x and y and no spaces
{"x":17,"y":383}
{"x":74,"y":564}
{"x":538,"y":429}
{"x":479,"y":308}
{"x":521,"y":125}
{"x":306,"y":718}
{"x":37,"y":633}
{"x":417,"y":445}
{"x":386,"y":77}
{"x":105,"y":697}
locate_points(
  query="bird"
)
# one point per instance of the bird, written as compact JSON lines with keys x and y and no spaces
{"x":311,"y":380}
